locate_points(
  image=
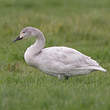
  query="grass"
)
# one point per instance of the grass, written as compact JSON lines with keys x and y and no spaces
{"x":80,"y":24}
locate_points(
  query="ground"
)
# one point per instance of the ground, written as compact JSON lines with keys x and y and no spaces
{"x":80,"y":24}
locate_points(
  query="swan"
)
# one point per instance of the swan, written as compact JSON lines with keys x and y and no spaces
{"x":62,"y":62}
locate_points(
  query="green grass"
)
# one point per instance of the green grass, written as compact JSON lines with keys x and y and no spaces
{"x":80,"y":24}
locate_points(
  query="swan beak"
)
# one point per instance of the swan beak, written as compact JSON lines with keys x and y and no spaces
{"x":18,"y":38}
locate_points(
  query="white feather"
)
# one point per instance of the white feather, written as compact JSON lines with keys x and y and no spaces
{"x":57,"y":61}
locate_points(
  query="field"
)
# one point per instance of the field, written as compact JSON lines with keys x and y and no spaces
{"x":80,"y":24}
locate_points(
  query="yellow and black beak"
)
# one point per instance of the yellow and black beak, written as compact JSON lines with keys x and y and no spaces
{"x":18,"y":38}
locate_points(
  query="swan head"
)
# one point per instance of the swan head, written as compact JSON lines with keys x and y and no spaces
{"x":28,"y":32}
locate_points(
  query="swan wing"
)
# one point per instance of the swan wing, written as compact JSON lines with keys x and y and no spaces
{"x":63,"y":59}
{"x":69,"y":56}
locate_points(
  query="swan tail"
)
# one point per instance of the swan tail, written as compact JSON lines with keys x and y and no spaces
{"x":96,"y":68}
{"x":99,"y":69}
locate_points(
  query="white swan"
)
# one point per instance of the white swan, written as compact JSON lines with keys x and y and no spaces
{"x":56,"y":61}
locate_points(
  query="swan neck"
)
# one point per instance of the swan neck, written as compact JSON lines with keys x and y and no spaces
{"x":35,"y":49}
{"x":39,"y":43}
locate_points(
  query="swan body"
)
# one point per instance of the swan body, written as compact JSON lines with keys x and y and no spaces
{"x":56,"y":61}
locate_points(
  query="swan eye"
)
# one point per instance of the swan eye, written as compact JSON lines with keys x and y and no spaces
{"x":23,"y":32}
